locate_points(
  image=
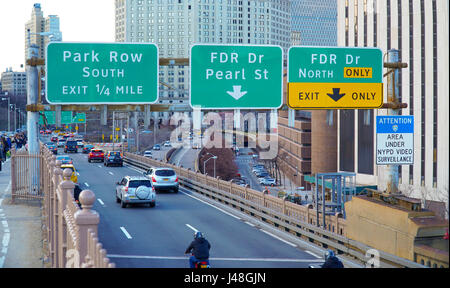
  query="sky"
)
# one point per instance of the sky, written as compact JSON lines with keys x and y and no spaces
{"x":80,"y":21}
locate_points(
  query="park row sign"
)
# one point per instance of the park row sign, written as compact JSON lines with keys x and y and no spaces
{"x":221,"y":76}
{"x":102,"y":73}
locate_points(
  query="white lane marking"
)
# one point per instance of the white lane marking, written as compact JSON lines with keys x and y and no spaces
{"x":99,"y":166}
{"x":110,"y":173}
{"x":311,"y":253}
{"x":276,"y":237}
{"x":101,"y":202}
{"x":6,"y":232}
{"x":248,"y":223}
{"x":195,"y":230}
{"x":229,"y":214}
{"x":86,"y":184}
{"x":215,"y":258}
{"x":126,"y":232}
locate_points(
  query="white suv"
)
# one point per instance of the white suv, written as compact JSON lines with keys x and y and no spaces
{"x":135,"y":190}
{"x":163,"y":178}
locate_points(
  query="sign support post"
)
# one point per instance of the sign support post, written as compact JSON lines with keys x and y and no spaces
{"x":392,"y":93}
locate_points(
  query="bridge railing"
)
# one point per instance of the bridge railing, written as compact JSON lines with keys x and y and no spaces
{"x":298,"y":220}
{"x":70,"y":239}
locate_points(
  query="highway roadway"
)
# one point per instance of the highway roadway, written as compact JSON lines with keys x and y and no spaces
{"x":139,"y":236}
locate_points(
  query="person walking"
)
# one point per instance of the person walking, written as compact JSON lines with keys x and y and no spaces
{"x":1,"y":152}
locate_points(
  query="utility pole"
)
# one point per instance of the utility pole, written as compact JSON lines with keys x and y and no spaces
{"x":33,"y":116}
{"x":393,"y":107}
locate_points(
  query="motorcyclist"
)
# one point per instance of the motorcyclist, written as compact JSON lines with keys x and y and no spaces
{"x":199,"y":249}
{"x":331,"y":261}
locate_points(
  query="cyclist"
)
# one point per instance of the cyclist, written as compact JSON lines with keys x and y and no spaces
{"x":199,"y":248}
{"x":331,"y":261}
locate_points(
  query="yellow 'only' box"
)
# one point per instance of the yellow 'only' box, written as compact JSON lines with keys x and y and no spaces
{"x":335,"y":95}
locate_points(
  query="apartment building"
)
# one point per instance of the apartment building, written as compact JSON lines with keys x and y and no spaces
{"x":175,"y":25}
{"x":15,"y":83}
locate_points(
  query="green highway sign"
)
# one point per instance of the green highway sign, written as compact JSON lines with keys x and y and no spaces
{"x":66,"y":117}
{"x":50,"y":116}
{"x":79,"y":118}
{"x":236,"y":76}
{"x":335,"y":78}
{"x":102,"y":73}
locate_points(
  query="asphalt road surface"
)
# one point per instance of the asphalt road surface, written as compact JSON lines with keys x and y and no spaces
{"x":139,"y":236}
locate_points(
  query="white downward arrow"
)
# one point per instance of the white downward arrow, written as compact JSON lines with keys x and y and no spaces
{"x":236,"y":94}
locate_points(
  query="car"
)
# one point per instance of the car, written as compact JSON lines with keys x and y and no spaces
{"x":267,"y":181}
{"x":167,"y":144}
{"x":65,"y":159}
{"x":262,"y":174}
{"x":163,"y":179}
{"x":156,"y":147}
{"x":54,"y":139}
{"x":196,"y":146}
{"x":258,"y":169}
{"x":87,"y":148}
{"x":61,"y":142}
{"x":148,"y":153}
{"x":74,"y":177}
{"x":135,"y":190}
{"x":80,"y":143}
{"x":113,"y":158}
{"x":71,"y":146}
{"x":52,"y":147}
{"x":96,"y":155}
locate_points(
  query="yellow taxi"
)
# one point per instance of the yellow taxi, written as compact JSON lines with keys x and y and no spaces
{"x":74,"y":177}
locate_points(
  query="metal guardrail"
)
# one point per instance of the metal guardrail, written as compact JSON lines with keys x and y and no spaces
{"x":264,"y":210}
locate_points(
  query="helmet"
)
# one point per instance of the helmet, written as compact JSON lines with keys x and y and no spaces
{"x":329,"y":254}
{"x":198,"y":235}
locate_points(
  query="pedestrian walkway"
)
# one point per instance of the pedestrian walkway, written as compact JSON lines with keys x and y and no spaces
{"x":20,"y":228}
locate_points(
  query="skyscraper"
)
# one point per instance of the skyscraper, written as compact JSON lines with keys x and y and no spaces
{"x":315,"y":21}
{"x":37,"y":25}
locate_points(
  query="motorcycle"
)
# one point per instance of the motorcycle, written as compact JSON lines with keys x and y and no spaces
{"x":201,"y":263}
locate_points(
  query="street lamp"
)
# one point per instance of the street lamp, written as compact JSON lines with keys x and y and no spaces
{"x":18,"y":115}
{"x":214,"y":157}
{"x":12,"y":107}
